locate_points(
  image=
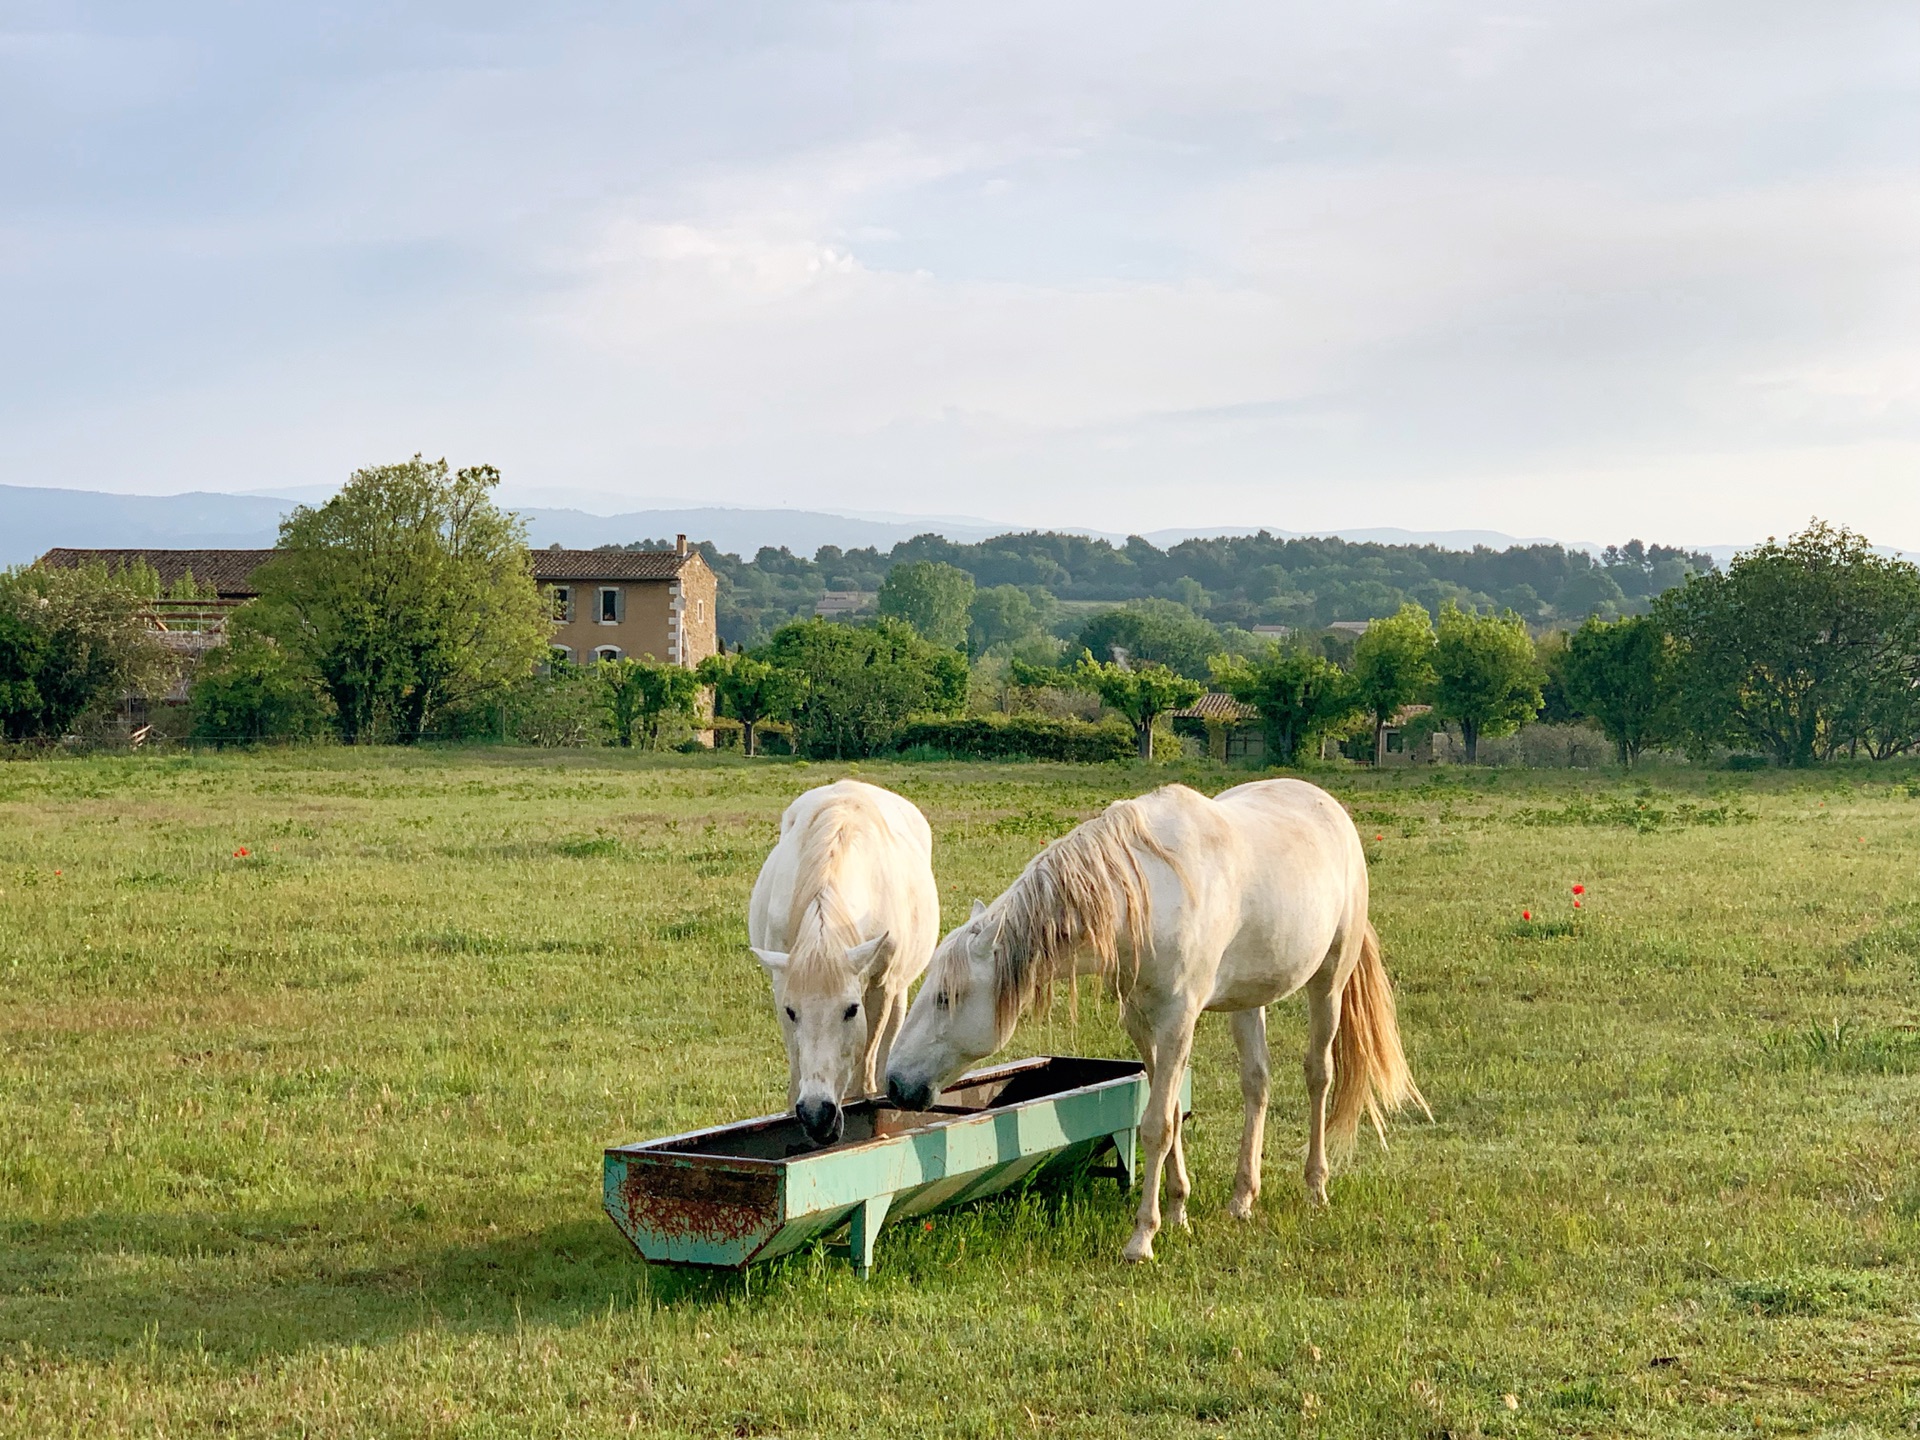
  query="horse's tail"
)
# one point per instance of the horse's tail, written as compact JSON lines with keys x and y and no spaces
{"x":1370,"y":1074}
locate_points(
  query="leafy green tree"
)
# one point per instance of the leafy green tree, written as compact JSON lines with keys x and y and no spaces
{"x":251,"y":689}
{"x":1299,"y":693}
{"x":859,"y":685}
{"x":72,"y":641}
{"x":1000,"y":616}
{"x":407,"y":592}
{"x":751,"y":690}
{"x":643,"y":696}
{"x":1487,"y":677}
{"x":1141,"y":692}
{"x":1154,"y":632}
{"x":1796,"y":645}
{"x":1620,"y":673}
{"x":1393,"y":667}
{"x":931,"y":596}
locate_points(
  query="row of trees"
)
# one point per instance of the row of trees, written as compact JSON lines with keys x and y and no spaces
{"x":1237,"y":581}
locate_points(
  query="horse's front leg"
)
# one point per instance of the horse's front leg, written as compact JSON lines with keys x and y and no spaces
{"x":886,"y":1028}
{"x":1164,"y":1044}
{"x":1250,"y":1038}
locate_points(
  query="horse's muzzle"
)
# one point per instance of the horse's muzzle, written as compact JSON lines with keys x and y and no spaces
{"x":909,"y":1095}
{"x":822,"y":1121}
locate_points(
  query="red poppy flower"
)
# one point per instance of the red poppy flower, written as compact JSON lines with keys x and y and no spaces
{"x":242,"y":853}
{"x":1379,"y":837}
{"x":1579,"y":889}
{"x":1576,"y":904}
{"x":928,"y":1226}
{"x":1526,"y":914}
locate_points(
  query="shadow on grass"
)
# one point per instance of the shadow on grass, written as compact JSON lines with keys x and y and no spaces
{"x":213,"y":1283}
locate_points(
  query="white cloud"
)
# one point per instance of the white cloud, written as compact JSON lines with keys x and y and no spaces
{"x":1592,"y":270}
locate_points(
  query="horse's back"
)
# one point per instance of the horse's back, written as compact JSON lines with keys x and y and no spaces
{"x":1298,"y":882}
{"x":880,"y":848}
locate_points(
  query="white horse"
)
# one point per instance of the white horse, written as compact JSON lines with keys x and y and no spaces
{"x":1186,"y":904}
{"x":844,"y":916}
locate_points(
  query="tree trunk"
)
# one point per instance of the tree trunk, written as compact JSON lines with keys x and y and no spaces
{"x":746,"y":737}
{"x":1470,"y":733}
{"x":1379,"y":741}
{"x":1144,"y":733}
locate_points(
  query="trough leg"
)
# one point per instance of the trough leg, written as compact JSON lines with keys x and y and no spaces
{"x":863,"y":1230}
{"x":1126,"y":1157}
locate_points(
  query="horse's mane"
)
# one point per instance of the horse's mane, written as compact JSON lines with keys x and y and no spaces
{"x":820,"y":930}
{"x":1077,"y":896}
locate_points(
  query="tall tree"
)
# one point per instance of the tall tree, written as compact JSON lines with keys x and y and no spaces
{"x":1789,"y":647}
{"x":1393,"y":667}
{"x":931,"y":596}
{"x":1156,"y":632}
{"x":644,"y":695}
{"x":1487,"y":677}
{"x":1620,"y":673}
{"x":750,"y":690}
{"x":1299,"y":693}
{"x":1000,"y":615}
{"x":407,"y":592}
{"x":861,"y":684}
{"x":1142,"y":693}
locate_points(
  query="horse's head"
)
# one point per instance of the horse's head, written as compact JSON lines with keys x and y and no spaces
{"x":956,"y":1018}
{"x":820,"y":998}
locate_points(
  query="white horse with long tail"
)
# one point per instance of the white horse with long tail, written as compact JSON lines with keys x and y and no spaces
{"x":1186,"y":904}
{"x":844,"y":917}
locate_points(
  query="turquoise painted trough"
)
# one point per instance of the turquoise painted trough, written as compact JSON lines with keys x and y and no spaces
{"x":740,"y":1193}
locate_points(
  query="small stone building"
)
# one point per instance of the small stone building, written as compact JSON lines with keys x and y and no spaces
{"x":607,"y":604}
{"x":1231,"y":728}
{"x":628,"y":604}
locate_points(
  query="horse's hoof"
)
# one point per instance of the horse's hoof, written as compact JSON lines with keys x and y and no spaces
{"x":1317,"y":1196}
{"x":1177,"y":1217}
{"x":1138,"y":1252}
{"x":1241,"y":1207}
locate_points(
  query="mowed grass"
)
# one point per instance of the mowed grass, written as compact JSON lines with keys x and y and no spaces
{"x":307,"y":1141}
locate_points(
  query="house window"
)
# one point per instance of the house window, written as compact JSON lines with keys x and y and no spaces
{"x":699,"y":610}
{"x":610,"y":606}
{"x":563,"y":604}
{"x":1396,"y":743}
{"x":607,"y":652}
{"x":563,"y":652}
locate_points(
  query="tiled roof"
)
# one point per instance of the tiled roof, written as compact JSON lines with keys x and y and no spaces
{"x":231,"y":571}
{"x":1215,"y":706}
{"x":228,"y":571}
{"x":608,"y":564}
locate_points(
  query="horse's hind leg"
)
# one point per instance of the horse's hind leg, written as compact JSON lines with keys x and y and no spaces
{"x":1179,"y":1183}
{"x":1250,"y":1038}
{"x":1323,"y":1021}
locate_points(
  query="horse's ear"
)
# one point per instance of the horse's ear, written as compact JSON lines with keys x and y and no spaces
{"x":979,"y":909}
{"x":774,"y":960}
{"x":870,"y":957}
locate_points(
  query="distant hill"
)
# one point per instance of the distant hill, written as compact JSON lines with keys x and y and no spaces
{"x":35,"y":519}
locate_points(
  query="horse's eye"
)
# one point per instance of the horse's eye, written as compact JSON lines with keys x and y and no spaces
{"x":940,"y":1000}
{"x":852,"y":1010}
{"x":791,"y":1016}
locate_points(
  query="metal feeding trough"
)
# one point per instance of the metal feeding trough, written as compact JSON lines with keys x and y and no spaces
{"x":740,"y":1193}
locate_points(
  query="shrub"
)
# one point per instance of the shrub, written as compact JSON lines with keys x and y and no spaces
{"x":1011,"y":737}
{"x":251,"y":690}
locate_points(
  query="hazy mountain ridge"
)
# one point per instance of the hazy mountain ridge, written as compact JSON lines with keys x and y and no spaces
{"x":34,"y":519}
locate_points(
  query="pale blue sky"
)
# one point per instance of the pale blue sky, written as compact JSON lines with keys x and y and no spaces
{"x":1586,"y":269}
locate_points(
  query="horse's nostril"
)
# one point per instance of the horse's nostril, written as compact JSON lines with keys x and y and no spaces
{"x":821,"y":1120}
{"x":908,"y":1097}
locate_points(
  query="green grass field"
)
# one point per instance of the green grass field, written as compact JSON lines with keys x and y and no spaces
{"x":306,"y":1141}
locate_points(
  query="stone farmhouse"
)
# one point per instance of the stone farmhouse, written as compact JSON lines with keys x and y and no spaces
{"x":607,"y":604}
